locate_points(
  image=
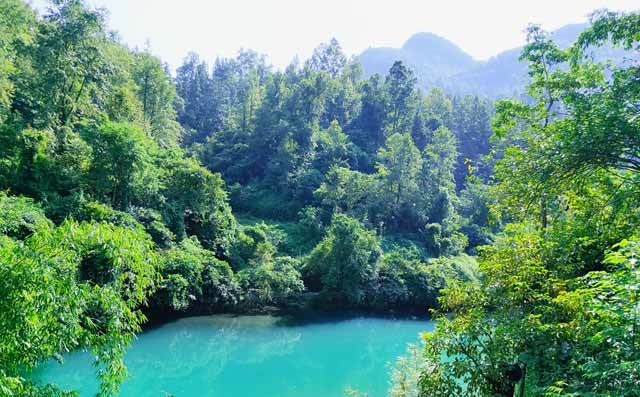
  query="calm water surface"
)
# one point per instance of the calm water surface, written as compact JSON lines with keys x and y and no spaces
{"x":261,"y":356}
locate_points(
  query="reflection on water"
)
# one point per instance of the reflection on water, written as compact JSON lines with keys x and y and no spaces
{"x":228,"y":355}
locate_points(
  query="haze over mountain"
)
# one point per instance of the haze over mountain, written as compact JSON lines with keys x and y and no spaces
{"x":437,"y":62}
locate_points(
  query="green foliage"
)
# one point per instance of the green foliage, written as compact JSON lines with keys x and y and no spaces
{"x":438,"y":178}
{"x":195,"y":89}
{"x":21,"y":217}
{"x":332,"y":148}
{"x":120,"y":157}
{"x":398,"y":168}
{"x":320,"y":133}
{"x":108,"y":255}
{"x":15,"y":19}
{"x":154,"y":225}
{"x":400,"y":85}
{"x":556,"y":309}
{"x":67,"y":74}
{"x":259,"y":202}
{"x":194,"y":279}
{"x":470,"y":122}
{"x":272,"y":282}
{"x":346,"y":191}
{"x":292,"y":238}
{"x":196,"y":204}
{"x":406,"y":282}
{"x":128,"y":164}
{"x":88,"y":132}
{"x":328,"y":58}
{"x":157,"y":95}
{"x":440,"y":242}
{"x":577,"y":108}
{"x":264,"y":278}
{"x":475,"y":208}
{"x":254,"y":242}
{"x":603,"y":311}
{"x":75,"y":286}
{"x":406,"y":373}
{"x":489,"y":330}
{"x":344,"y":263}
{"x":576,"y":333}
{"x":79,"y":208}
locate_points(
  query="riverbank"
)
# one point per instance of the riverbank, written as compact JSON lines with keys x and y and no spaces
{"x":306,"y":305}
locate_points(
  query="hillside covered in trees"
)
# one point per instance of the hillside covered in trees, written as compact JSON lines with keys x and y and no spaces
{"x":129,"y":193}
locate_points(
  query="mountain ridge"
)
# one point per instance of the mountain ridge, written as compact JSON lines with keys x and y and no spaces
{"x":439,"y":63}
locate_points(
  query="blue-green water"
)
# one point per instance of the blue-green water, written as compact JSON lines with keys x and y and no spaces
{"x":261,"y":356}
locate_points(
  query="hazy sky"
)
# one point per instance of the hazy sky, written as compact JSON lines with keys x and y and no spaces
{"x":283,"y":29}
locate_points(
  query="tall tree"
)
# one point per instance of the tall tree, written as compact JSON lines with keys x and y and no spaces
{"x":399,"y":163}
{"x":15,"y":21}
{"x":120,"y":160}
{"x":345,"y":261}
{"x":471,"y":123}
{"x":329,"y":58}
{"x":438,"y":107}
{"x":369,"y":129}
{"x":198,"y":108}
{"x":400,"y":85}
{"x":157,"y":95}
{"x":438,"y":176}
{"x":555,"y":313}
{"x":70,"y":71}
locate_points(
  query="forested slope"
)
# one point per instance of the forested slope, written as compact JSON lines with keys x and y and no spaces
{"x":123,"y":187}
{"x":556,"y":311}
{"x":128,"y":192}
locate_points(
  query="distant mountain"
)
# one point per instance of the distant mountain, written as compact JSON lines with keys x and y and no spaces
{"x":437,"y":62}
{"x":431,"y":57}
{"x":505,"y":75}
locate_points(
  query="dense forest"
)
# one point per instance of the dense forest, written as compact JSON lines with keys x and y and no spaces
{"x":129,"y":193}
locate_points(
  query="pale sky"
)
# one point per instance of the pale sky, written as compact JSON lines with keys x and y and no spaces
{"x":282,"y":29}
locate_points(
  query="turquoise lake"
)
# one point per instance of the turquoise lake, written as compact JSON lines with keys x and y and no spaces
{"x":265,"y":356}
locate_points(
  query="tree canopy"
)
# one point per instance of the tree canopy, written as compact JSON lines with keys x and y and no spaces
{"x":556,"y":310}
{"x":130,"y":192}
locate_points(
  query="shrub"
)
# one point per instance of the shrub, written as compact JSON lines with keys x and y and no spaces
{"x":153,"y":224}
{"x":20,"y":217}
{"x":405,"y":282}
{"x":194,"y":279}
{"x":344,"y":263}
{"x":78,"y":286}
{"x":271,"y":283}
